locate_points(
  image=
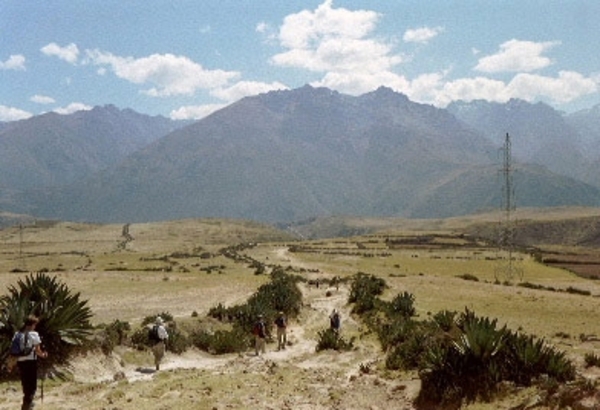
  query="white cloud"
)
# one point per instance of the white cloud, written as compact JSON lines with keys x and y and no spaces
{"x":244,"y":89}
{"x":517,"y":56}
{"x":169,"y":74}
{"x":262,"y":27}
{"x":567,"y":87}
{"x":42,"y":99}
{"x":469,"y":89}
{"x":339,"y":43}
{"x":421,"y":35}
{"x":195,"y":112}
{"x":73,"y":107}
{"x":69,"y":53}
{"x":14,"y":62}
{"x":13,"y":114}
{"x":425,"y":88}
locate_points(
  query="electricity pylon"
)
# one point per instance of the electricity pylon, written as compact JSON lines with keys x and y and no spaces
{"x":507,"y":268}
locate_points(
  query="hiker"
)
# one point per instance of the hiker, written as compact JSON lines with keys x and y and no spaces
{"x":28,"y":364}
{"x":159,"y":336}
{"x":335,"y":321}
{"x":335,"y":282}
{"x":281,"y":323}
{"x":260,"y":334}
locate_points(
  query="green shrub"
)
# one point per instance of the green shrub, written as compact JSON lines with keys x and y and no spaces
{"x":445,"y":320}
{"x":408,"y":354}
{"x":591,"y":360}
{"x":480,"y":356}
{"x":331,"y":340}
{"x":403,"y":305}
{"x":577,"y":291}
{"x":281,"y":293}
{"x":530,"y":285}
{"x":221,"y":341}
{"x":468,"y":276}
{"x":201,"y":339}
{"x":178,"y":342}
{"x":364,"y":285}
{"x":113,"y":335}
{"x":395,"y":332}
{"x":364,"y":291}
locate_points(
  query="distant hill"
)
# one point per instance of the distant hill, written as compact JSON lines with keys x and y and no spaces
{"x":587,"y":124}
{"x":539,"y":135}
{"x":291,"y":155}
{"x":53,"y":149}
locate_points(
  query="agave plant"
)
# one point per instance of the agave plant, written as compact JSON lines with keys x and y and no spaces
{"x":403,"y":305}
{"x":480,"y":339}
{"x":64,"y":317}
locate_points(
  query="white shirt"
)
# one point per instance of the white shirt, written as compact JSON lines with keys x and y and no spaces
{"x":162,"y":333}
{"x":34,"y":338}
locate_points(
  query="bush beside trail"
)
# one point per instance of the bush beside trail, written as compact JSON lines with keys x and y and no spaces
{"x":460,"y":357}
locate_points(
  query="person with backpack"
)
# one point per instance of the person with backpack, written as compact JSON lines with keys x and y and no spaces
{"x":27,"y":347}
{"x":260,"y":335}
{"x":158,"y":336}
{"x":335,"y":321}
{"x":281,"y":323}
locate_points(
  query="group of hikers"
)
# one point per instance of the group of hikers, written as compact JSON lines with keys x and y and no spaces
{"x":260,"y":330}
{"x":26,"y":347}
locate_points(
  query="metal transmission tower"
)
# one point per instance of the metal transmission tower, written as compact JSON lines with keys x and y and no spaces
{"x":507,"y":268}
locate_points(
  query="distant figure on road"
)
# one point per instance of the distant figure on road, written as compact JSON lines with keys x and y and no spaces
{"x":281,"y":323}
{"x":335,"y":321}
{"x":159,"y":336}
{"x":260,"y":335}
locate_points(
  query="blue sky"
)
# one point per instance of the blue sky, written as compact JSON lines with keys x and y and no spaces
{"x":185,"y":59}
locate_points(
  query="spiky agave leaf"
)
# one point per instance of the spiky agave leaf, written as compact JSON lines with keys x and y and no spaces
{"x":64,"y":318}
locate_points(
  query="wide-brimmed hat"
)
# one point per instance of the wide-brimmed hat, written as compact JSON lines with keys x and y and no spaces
{"x":159,"y":320}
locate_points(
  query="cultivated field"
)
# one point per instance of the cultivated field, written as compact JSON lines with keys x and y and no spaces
{"x":128,"y":273}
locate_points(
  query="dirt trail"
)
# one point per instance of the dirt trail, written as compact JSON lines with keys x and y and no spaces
{"x":300,"y":354}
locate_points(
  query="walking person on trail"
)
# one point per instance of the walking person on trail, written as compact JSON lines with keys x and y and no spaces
{"x":158,"y":336}
{"x":28,"y":347}
{"x":335,"y":321}
{"x":281,"y":323}
{"x":260,"y":335}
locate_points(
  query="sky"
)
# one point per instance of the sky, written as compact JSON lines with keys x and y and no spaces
{"x":184,"y":59}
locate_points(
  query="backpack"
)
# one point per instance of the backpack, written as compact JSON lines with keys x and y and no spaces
{"x":280,"y":321}
{"x":21,"y":344}
{"x":335,"y":321}
{"x":259,"y":329}
{"x":153,"y":334}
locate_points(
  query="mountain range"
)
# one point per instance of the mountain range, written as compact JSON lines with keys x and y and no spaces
{"x":290,"y":155}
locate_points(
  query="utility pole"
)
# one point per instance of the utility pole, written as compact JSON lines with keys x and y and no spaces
{"x":507,"y":268}
{"x":22,"y":265}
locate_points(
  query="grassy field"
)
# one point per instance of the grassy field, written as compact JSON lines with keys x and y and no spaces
{"x":179,"y":267}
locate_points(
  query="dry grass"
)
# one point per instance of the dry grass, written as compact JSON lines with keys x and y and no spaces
{"x":143,"y":278}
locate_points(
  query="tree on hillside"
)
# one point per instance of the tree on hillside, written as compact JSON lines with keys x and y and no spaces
{"x":64,"y":317}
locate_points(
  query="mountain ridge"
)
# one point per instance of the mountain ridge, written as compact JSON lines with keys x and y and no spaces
{"x":295,"y":154}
